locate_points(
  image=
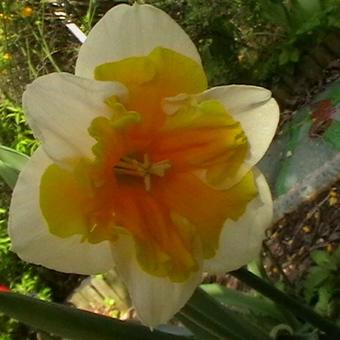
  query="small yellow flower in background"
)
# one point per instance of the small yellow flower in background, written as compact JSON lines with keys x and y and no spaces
{"x":141,"y":167}
{"x":7,"y":56}
{"x":27,"y":11}
{"x":5,"y":17}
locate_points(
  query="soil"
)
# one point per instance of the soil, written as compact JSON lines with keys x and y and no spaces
{"x":313,"y":225}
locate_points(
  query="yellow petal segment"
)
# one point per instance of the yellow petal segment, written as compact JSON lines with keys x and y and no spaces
{"x":63,"y":202}
{"x":71,"y":207}
{"x":150,"y":79}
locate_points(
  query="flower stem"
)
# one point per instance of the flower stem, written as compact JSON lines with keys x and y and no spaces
{"x":293,"y":304}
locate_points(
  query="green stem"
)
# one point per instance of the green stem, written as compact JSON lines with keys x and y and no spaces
{"x":49,"y":55}
{"x":293,"y":304}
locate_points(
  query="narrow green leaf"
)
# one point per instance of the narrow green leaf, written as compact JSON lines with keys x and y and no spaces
{"x":11,"y":163}
{"x":198,"y":325}
{"x":288,"y":302}
{"x":73,"y":323}
{"x":219,"y":321}
{"x":257,"y":305}
{"x":13,"y":158}
{"x":8,"y":174}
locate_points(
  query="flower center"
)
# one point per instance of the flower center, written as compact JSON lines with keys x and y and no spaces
{"x":132,"y":167}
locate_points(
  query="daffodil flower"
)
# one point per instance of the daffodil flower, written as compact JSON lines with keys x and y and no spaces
{"x":141,"y":167}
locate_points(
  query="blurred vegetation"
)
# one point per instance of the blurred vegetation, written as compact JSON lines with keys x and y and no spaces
{"x":265,"y":42}
{"x":275,"y":43}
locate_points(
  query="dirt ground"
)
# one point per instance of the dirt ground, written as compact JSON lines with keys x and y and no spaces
{"x":313,"y":225}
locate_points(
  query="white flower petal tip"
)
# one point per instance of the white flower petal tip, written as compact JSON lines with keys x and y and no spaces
{"x":30,"y":236}
{"x":255,"y":109}
{"x":60,"y":107}
{"x":127,"y":31}
{"x":156,"y":299}
{"x":241,"y":240}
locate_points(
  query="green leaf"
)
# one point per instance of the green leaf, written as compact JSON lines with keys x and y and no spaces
{"x":210,"y":320}
{"x":289,"y":54}
{"x":305,"y":15}
{"x":291,"y":303}
{"x":275,"y":13}
{"x":12,"y":158}
{"x":316,"y":277}
{"x":8,"y":174}
{"x":310,"y":7}
{"x":255,"y":304}
{"x":323,"y":259}
{"x":325,"y":295}
{"x":11,"y":163}
{"x":73,"y":323}
{"x":200,"y":329}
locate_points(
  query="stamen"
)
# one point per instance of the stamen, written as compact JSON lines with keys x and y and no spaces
{"x":123,"y":171}
{"x":126,"y":165}
{"x":93,"y":227}
{"x":160,"y":168}
{"x":132,"y":167}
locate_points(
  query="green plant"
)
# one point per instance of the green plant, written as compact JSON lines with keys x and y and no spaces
{"x":11,"y":163}
{"x":302,"y":25}
{"x":321,"y":287}
{"x":14,"y":131}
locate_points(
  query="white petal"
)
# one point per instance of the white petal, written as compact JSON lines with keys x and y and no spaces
{"x":255,"y":109}
{"x":127,"y":31}
{"x":156,"y":299}
{"x":29,"y":233}
{"x":241,"y":240}
{"x":60,"y":108}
